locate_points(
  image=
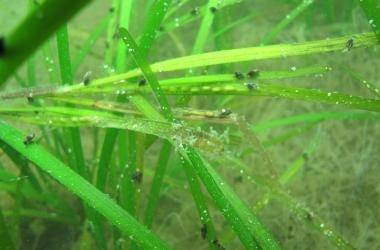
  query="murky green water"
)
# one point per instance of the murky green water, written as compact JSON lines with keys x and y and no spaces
{"x":337,"y":181}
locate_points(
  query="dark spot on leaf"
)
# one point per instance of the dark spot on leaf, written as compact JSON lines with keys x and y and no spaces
{"x":251,"y":86}
{"x":213,"y":9}
{"x":137,"y":176}
{"x":2,"y":46}
{"x":216,"y":243}
{"x":29,"y":139}
{"x":225,"y":112}
{"x":204,"y":231}
{"x":253,"y":73}
{"x":239,"y":75}
{"x":30,"y":99}
{"x":87,"y":78}
{"x":350,"y":44}
{"x":238,"y":179}
{"x":142,"y":82}
{"x":309,"y":216}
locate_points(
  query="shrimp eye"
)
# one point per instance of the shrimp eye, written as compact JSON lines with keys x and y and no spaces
{"x":239,"y":75}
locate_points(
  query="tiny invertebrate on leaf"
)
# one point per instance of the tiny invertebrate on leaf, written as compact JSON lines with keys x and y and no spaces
{"x":238,"y":179}
{"x":239,"y":75}
{"x":204,"y":231}
{"x":137,"y":177}
{"x":309,"y":216}
{"x":2,"y":46}
{"x":142,"y":82}
{"x":29,"y":139}
{"x":225,"y":112}
{"x":87,"y":78}
{"x":213,"y":9}
{"x":216,"y":243}
{"x":253,"y":73}
{"x":350,"y":44}
{"x":251,"y":86}
{"x":30,"y":99}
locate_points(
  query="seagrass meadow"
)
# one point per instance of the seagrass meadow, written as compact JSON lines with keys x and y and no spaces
{"x":189,"y":124}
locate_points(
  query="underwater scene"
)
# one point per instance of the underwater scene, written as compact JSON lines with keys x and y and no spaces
{"x":189,"y":124}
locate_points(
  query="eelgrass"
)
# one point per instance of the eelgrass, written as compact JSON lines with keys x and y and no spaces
{"x":96,"y":199}
{"x":145,"y":123}
{"x":25,"y":39}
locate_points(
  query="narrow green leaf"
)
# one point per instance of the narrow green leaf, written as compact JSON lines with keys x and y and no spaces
{"x":90,"y":42}
{"x":144,"y":65}
{"x":83,"y":189}
{"x":154,"y":194}
{"x":276,"y":30}
{"x":371,"y":9}
{"x":27,"y":37}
